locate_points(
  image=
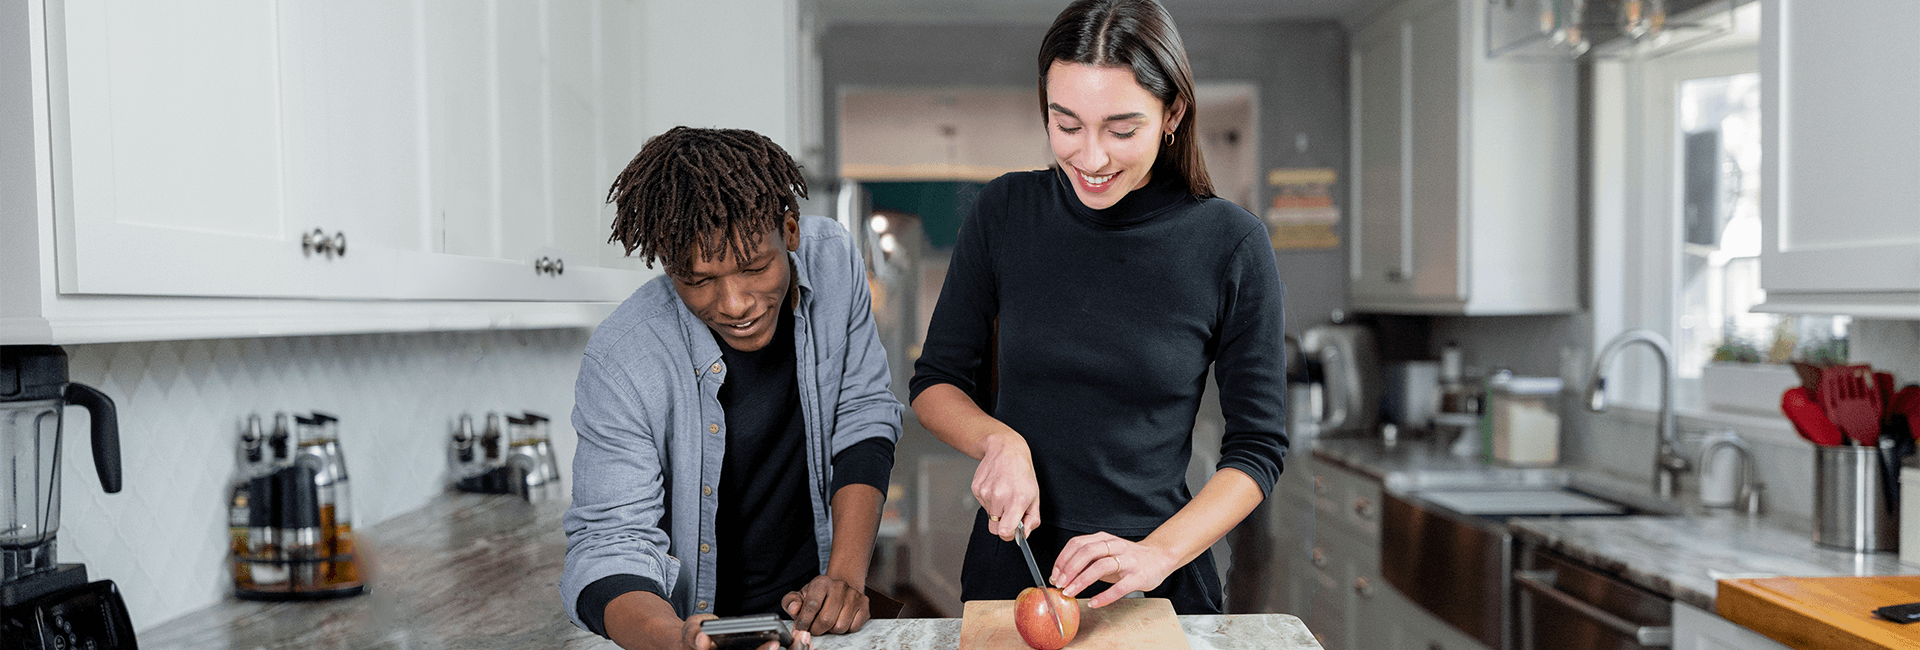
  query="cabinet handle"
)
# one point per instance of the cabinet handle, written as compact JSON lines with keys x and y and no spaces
{"x":1363,"y":587}
{"x":1363,"y":508}
{"x":1319,"y":556}
{"x":318,"y":243}
{"x":549,"y":265}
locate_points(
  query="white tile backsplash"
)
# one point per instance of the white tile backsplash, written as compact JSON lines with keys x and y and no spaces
{"x":181,"y":404}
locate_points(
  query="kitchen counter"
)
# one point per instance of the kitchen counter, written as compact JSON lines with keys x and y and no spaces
{"x":1682,"y":557}
{"x":473,"y":571}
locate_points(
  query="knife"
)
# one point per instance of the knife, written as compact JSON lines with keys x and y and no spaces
{"x":1020,"y":537}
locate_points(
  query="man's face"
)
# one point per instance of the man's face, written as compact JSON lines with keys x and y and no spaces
{"x":741,"y":300}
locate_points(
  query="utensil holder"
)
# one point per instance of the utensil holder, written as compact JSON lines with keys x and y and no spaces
{"x":1850,"y":508}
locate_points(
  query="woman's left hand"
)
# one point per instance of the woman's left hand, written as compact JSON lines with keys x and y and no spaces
{"x":1130,"y":566}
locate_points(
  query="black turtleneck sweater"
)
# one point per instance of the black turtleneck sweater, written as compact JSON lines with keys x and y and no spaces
{"x":1108,"y":321}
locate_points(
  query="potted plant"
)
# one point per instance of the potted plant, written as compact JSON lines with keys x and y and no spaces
{"x":1741,"y":377}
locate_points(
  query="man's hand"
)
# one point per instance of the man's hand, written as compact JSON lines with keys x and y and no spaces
{"x":691,"y":638}
{"x":827,"y":605}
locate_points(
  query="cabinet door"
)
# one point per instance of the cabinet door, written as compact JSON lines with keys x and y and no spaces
{"x":1406,"y":251}
{"x":1841,"y":95}
{"x":208,"y":138}
{"x":1382,"y":227}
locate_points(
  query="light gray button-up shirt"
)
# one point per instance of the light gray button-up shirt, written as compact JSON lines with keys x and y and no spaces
{"x":652,"y":433}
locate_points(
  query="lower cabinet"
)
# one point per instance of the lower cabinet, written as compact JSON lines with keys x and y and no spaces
{"x":1342,"y":597}
{"x":1699,"y":629}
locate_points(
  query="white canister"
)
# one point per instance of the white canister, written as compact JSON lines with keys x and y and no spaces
{"x":1720,"y":469}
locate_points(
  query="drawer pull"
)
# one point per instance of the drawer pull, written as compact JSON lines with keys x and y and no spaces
{"x":1647,"y":635}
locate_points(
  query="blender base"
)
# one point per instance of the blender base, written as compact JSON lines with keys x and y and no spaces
{"x":60,"y":578}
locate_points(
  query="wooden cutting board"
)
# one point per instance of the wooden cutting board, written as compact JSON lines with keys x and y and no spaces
{"x":1145,"y":623}
{"x":1815,"y":613}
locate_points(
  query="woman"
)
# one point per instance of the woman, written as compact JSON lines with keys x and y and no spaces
{"x":1109,"y":283}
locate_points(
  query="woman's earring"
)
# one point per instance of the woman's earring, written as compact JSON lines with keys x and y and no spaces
{"x":1169,"y":138}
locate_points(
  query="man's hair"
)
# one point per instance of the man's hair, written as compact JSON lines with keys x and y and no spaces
{"x":719,"y":189}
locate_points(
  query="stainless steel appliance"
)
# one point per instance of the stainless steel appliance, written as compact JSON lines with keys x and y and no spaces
{"x":1566,"y":605}
{"x":1445,"y":543}
{"x":1351,"y":382}
{"x":45,"y":604}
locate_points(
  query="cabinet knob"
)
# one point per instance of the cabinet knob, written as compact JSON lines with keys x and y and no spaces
{"x":559,"y":266}
{"x":1319,"y":556}
{"x":1363,"y":587}
{"x":1363,"y":508}
{"x":1319,"y":484}
{"x":550,"y":266}
{"x":318,"y":243}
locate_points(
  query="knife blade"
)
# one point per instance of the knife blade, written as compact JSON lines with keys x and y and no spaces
{"x":1020,"y":537}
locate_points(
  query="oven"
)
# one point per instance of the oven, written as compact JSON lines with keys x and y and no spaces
{"x":1562,"y":604}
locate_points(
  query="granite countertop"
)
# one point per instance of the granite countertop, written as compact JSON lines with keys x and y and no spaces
{"x":1682,"y":556}
{"x":474,"y":571}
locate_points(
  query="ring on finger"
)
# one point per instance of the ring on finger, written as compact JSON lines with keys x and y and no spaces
{"x":1108,"y":545}
{"x":993,"y":517}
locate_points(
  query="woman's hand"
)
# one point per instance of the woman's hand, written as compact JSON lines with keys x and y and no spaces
{"x":1130,"y":566}
{"x":1005,"y":485}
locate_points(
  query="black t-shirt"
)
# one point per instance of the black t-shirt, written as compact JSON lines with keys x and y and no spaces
{"x":765,"y":523}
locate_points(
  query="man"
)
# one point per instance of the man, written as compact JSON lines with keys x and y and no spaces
{"x":736,"y":429}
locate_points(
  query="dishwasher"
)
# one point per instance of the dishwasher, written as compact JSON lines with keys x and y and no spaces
{"x":1564,"y":604}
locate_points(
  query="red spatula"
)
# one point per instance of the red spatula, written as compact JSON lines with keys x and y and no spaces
{"x":1809,"y":419}
{"x":1852,"y":402}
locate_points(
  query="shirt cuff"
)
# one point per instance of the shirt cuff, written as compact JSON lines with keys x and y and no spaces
{"x":868,"y":462}
{"x":591,"y":606}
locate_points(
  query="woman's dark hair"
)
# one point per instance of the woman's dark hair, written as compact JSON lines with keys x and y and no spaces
{"x":1135,"y":34}
{"x":718,"y":188}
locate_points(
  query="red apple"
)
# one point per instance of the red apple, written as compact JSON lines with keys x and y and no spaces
{"x":1036,"y":625}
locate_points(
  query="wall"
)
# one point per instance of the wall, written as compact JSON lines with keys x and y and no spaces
{"x":1621,"y":441}
{"x":163,"y":538}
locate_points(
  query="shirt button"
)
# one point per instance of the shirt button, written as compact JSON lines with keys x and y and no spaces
{"x":706,"y":490}
{"x":715,"y":368}
{"x":713,"y":428}
{"x":706,"y":549}
{"x":702,"y":605}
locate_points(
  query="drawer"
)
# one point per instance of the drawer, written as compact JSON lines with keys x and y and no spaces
{"x":1346,"y":500}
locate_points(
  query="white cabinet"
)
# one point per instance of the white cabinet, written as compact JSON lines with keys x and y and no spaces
{"x":1463,"y":180}
{"x":1699,"y":629}
{"x":1841,"y":95}
{"x":163,"y":164}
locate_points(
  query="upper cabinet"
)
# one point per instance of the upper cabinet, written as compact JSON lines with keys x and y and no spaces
{"x":417,"y":164}
{"x":1841,"y":177}
{"x":1464,"y":181}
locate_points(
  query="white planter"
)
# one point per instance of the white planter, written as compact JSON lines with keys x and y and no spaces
{"x":1749,"y":388}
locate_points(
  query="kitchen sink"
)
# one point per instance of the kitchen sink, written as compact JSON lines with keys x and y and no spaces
{"x":1445,"y":542}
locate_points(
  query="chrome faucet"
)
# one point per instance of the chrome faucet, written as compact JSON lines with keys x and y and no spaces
{"x":1668,"y":464}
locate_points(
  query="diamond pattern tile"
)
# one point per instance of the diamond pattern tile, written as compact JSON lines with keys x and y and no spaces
{"x":163,"y":538}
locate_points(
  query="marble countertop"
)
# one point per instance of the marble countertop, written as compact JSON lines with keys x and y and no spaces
{"x":1682,"y":556}
{"x":479,"y":572}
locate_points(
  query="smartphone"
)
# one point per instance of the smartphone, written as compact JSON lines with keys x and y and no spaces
{"x":747,"y":632}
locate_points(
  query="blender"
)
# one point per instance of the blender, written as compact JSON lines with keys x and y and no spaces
{"x":44,"y":604}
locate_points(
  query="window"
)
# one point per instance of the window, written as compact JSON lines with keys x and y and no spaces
{"x":1677,"y":213}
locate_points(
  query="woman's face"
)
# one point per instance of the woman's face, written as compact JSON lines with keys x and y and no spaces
{"x":1105,"y":130}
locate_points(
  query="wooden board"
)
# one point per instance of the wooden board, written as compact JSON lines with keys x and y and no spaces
{"x":1817,"y":613}
{"x":1144,"y":623}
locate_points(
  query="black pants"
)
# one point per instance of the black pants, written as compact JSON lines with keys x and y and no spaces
{"x":994,"y":570}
